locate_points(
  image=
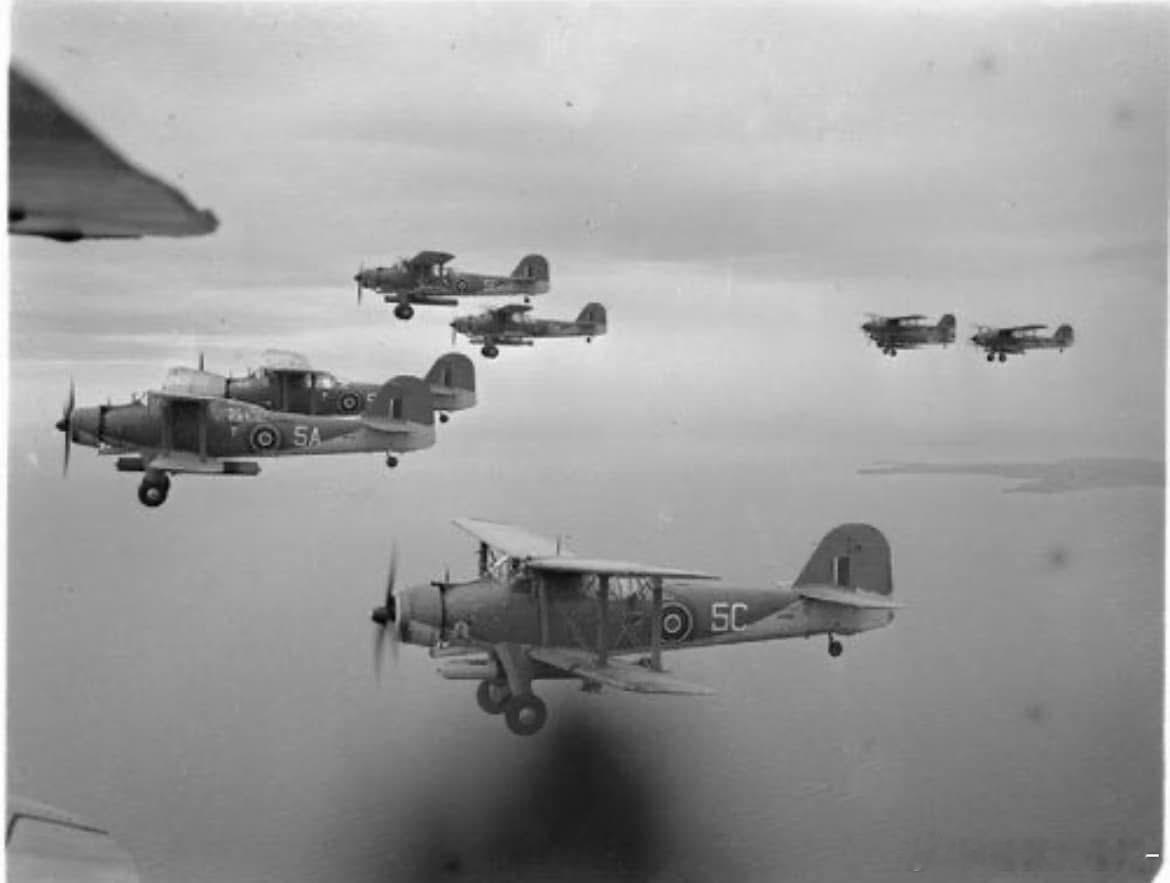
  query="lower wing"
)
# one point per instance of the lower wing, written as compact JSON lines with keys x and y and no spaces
{"x":616,"y":673}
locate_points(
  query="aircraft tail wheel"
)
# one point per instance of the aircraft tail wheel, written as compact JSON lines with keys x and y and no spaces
{"x":391,"y":460}
{"x":492,"y":697}
{"x":835,"y":648}
{"x":525,"y":715}
{"x":443,"y":418}
{"x":490,"y":351}
{"x":991,"y":357}
{"x":404,"y":311}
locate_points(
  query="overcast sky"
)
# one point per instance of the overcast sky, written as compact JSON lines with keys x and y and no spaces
{"x":739,"y":185}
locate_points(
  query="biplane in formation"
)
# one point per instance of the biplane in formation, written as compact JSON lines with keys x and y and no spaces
{"x":893,"y":333}
{"x":512,"y":326}
{"x":286,"y":382}
{"x":425,"y":279}
{"x":163,"y":433}
{"x":535,"y":611}
{"x":999,"y":343}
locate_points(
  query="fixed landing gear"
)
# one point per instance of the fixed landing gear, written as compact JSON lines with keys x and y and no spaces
{"x":153,"y":490}
{"x":391,"y":460}
{"x":525,"y":715}
{"x":443,"y":418}
{"x":404,"y":311}
{"x":1003,"y":357}
{"x":835,"y":647}
{"x":991,"y":357}
{"x":490,"y":351}
{"x":492,"y":696}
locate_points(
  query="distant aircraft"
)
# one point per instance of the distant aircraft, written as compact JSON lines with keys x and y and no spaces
{"x":1017,"y":340}
{"x":66,"y":183}
{"x":893,"y":333}
{"x":510,"y":326}
{"x":167,"y":434}
{"x":42,"y":843}
{"x":535,"y":611}
{"x":285,"y":382}
{"x":424,"y":279}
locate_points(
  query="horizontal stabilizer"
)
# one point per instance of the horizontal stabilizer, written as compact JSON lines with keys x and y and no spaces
{"x":617,"y":673}
{"x":847,"y":597}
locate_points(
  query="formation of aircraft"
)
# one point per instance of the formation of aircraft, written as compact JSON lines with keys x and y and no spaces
{"x":65,"y":182}
{"x":893,"y":333}
{"x":535,"y":611}
{"x":287,"y":383}
{"x":172,"y":433}
{"x":999,"y":343}
{"x":425,"y":279}
{"x":512,"y":326}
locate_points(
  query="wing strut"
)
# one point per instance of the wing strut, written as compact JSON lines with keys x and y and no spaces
{"x":202,"y":429}
{"x":656,"y":623}
{"x":603,"y":622}
{"x":168,"y":428}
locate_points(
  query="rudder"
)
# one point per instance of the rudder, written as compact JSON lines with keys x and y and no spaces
{"x":532,"y":268}
{"x":593,"y":314}
{"x":453,"y":370}
{"x":851,"y":556}
{"x":404,"y":399}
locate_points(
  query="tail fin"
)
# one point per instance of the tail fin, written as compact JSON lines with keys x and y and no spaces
{"x":452,"y":382}
{"x":1064,"y":335}
{"x":594,"y":314}
{"x":405,"y":407}
{"x":532,"y":268}
{"x":851,"y":556}
{"x":947,"y":323}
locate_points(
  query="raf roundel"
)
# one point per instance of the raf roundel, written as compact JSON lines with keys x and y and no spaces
{"x":461,"y":285}
{"x":349,"y":403}
{"x":677,"y":621}
{"x":264,"y":437}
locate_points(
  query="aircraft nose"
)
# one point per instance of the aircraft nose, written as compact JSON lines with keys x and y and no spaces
{"x":62,"y":425}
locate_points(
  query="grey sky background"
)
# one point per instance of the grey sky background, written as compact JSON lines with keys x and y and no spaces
{"x":738,"y":185}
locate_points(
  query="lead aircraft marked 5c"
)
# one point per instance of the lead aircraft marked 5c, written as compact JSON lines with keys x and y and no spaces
{"x":536,"y":612}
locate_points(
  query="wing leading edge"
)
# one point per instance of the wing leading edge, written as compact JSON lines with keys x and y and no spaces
{"x":616,"y":673}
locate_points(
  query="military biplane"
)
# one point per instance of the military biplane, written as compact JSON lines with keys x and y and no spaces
{"x":512,"y":326}
{"x":893,"y":333}
{"x":167,"y":433}
{"x":426,"y":279}
{"x":67,"y":183}
{"x":287,"y":383}
{"x":999,"y":343}
{"x":535,"y":611}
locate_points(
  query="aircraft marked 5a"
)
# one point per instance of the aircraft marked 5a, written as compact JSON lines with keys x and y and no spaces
{"x":425,"y":279}
{"x":285,"y":382}
{"x":1017,"y":340}
{"x":168,"y":433}
{"x":511,"y":326}
{"x":535,"y":612}
{"x":893,"y":333}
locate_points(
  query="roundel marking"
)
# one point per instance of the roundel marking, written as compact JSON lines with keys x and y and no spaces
{"x":264,"y":437}
{"x":677,"y":621}
{"x":461,"y":284}
{"x":349,"y":402}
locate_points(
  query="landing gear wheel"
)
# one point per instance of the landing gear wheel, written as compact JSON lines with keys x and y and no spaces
{"x":1003,"y":357}
{"x":835,"y":648}
{"x":893,"y":352}
{"x":391,"y":460}
{"x":525,"y":715}
{"x":443,"y":418}
{"x":153,"y":491}
{"x":492,"y":697}
{"x":404,"y":311}
{"x":490,"y":351}
{"x":991,"y":357}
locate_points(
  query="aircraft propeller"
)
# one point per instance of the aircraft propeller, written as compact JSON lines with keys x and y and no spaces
{"x":358,"y":279}
{"x":201,"y":360}
{"x":387,"y":616}
{"x":65,"y":425}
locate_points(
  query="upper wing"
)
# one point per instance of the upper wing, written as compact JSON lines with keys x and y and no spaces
{"x":858,"y":598}
{"x":914,"y":317}
{"x":67,"y":183}
{"x":617,"y":673}
{"x":284,"y":360}
{"x":1017,"y":328}
{"x":605,"y":567}
{"x":513,"y":541}
{"x":510,"y":310}
{"x":431,"y":258}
